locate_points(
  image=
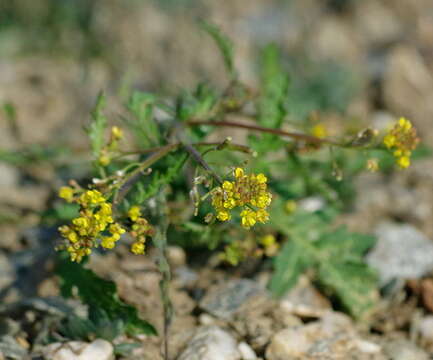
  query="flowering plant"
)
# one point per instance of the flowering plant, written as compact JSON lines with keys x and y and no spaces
{"x":179,"y":149}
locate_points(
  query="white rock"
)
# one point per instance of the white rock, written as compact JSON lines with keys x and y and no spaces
{"x":404,"y":350}
{"x":367,"y":346}
{"x":78,"y":350}
{"x":211,"y":343}
{"x":288,"y":343}
{"x":402,"y":252}
{"x":176,"y":256}
{"x":247,"y":353}
{"x":426,"y":329}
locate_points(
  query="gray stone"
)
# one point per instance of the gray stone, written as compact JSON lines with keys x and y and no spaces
{"x":247,"y":353}
{"x":211,"y":343}
{"x":227,"y":299}
{"x":326,"y":339}
{"x":401,"y":252}
{"x":404,"y":350}
{"x":78,"y":350}
{"x":7,"y":272}
{"x":304,"y":300}
{"x":11,"y":349}
{"x":425,"y":329}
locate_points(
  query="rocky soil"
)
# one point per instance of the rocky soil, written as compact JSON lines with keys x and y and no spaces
{"x":220,"y":314}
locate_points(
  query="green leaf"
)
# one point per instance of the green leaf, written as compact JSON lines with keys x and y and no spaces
{"x":290,"y":262}
{"x":146,"y":189}
{"x":125,"y":349}
{"x":224,"y":44}
{"x":275,"y":85}
{"x":271,"y":109}
{"x":143,"y":125}
{"x":335,"y":255}
{"x":98,"y":125}
{"x":77,"y":328}
{"x":343,"y":244}
{"x":100,"y":294}
{"x":353,"y":283}
{"x":197,"y":104}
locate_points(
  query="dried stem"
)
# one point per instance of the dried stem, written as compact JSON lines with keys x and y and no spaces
{"x":297,"y":136}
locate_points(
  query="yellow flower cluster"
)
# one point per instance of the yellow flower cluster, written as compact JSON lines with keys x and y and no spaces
{"x":94,"y":223}
{"x":247,"y":191}
{"x":139,"y":230}
{"x":402,"y":140}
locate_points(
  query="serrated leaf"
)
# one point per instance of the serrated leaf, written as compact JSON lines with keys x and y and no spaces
{"x":147,"y":189}
{"x":224,"y":44}
{"x":335,"y":255}
{"x":275,"y":85}
{"x":288,"y":265}
{"x":143,"y":125}
{"x":353,"y":283}
{"x":98,"y":125}
{"x":196,"y":105}
{"x":344,"y":244}
{"x":271,"y":109}
{"x":78,"y":328}
{"x":100,"y":294}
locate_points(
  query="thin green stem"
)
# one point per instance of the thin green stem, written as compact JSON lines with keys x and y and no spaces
{"x":160,"y":241}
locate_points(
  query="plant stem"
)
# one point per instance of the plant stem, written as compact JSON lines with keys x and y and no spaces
{"x":133,"y":177}
{"x":160,"y":241}
{"x":293,"y":135}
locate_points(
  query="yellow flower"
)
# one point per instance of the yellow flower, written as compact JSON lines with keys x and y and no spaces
{"x":227,"y":185}
{"x":223,"y":215}
{"x":134,"y":213}
{"x":249,"y":218}
{"x":86,"y":230}
{"x":319,"y":130}
{"x":389,"y":141}
{"x":116,"y":229}
{"x":246,"y":190}
{"x":372,"y":165}
{"x":268,"y":240}
{"x":262,"y":215}
{"x":261,"y":179}
{"x":239,"y":172}
{"x":66,"y":193}
{"x":403,"y":162}
{"x":116,"y":133}
{"x":402,"y":140}
{"x":91,"y":197}
{"x":104,"y":160}
{"x":137,"y":248}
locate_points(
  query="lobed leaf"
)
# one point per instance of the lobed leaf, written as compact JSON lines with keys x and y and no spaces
{"x":98,"y":125}
{"x":224,"y":44}
{"x":100,"y":295}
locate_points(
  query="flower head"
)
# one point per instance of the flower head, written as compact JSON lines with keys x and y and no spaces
{"x":246,"y":191}
{"x":402,"y":139}
{"x":93,"y":227}
{"x":66,"y":193}
{"x":116,"y":133}
{"x":134,"y":212}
